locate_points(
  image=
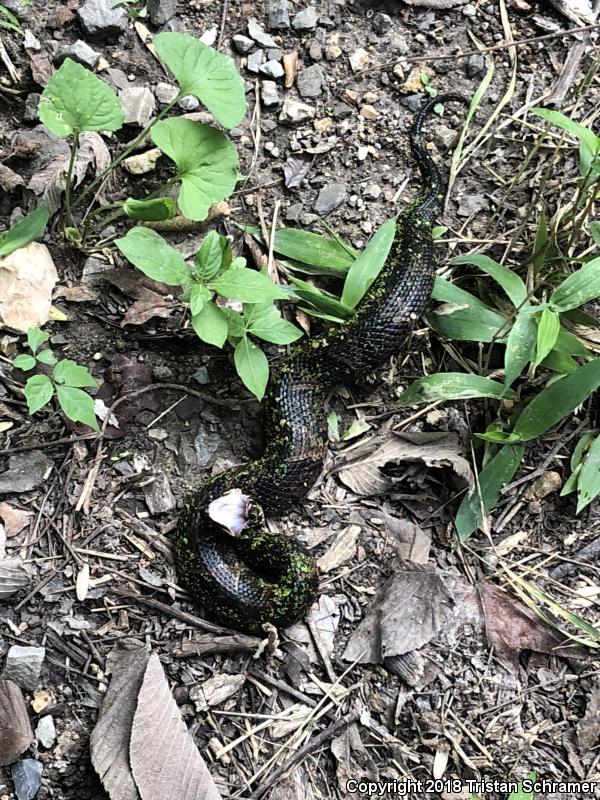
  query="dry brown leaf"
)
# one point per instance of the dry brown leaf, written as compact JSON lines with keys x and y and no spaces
{"x":588,"y":728}
{"x":216,"y":690}
{"x":15,"y":730}
{"x":295,"y":170}
{"x":511,"y":627}
{"x":109,"y":742}
{"x":9,"y":179}
{"x":412,"y":543}
{"x":341,"y":550}
{"x":165,"y":761}
{"x":149,"y":304}
{"x":362,"y":473}
{"x":15,"y":519}
{"x":76,"y":294}
{"x":41,"y":67}
{"x":13,"y":576}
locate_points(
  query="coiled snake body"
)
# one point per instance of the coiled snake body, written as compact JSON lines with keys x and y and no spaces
{"x":254,"y":576}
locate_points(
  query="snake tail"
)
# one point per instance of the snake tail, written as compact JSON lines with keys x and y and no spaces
{"x":250,"y":576}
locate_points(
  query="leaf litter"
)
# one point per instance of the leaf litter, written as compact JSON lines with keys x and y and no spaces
{"x":15,"y":729}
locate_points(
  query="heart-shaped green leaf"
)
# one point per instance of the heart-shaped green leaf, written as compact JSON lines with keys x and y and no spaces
{"x":149,"y":252}
{"x":38,"y":391}
{"x":77,"y":405}
{"x":76,"y":100}
{"x":206,"y":163}
{"x":208,"y":75}
{"x":70,"y":373}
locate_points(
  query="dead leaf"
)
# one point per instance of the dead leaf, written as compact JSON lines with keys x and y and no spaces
{"x":362,"y":473}
{"x":412,"y":543}
{"x":411,"y":608}
{"x":109,"y":741}
{"x":341,"y":550}
{"x":27,"y":278}
{"x":216,"y":690}
{"x":15,"y":519}
{"x":13,"y":576}
{"x":9,"y":180}
{"x":149,"y":304}
{"x":124,"y":375}
{"x":76,"y":294}
{"x":165,"y":762}
{"x":295,"y":170}
{"x":588,"y":728}
{"x":41,"y":67}
{"x":15,"y":730}
{"x":290,"y":68}
{"x":353,"y":760}
{"x":511,"y":627}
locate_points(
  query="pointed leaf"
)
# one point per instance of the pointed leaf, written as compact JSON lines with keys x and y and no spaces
{"x":588,"y":485}
{"x":24,"y":231}
{"x":211,"y":325}
{"x":199,"y":296}
{"x":213,"y":252}
{"x":452,"y":386}
{"x":509,"y":281}
{"x":77,"y":405}
{"x":158,"y":208}
{"x":15,"y":729}
{"x":520,"y":345}
{"x":267,"y":324}
{"x":247,"y":285}
{"x":579,"y":288}
{"x":36,"y":338}
{"x":38,"y":391}
{"x":150,"y":253}
{"x":252,"y":367}
{"x":368,"y":265}
{"x":547,"y":334}
{"x":72,"y":374}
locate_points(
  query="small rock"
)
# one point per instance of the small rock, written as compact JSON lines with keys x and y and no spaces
{"x":100,"y":18}
{"x":279,"y":15}
{"x":25,"y":471}
{"x":475,"y":65}
{"x":292,"y":214}
{"x":400,"y":45}
{"x":315,"y":51}
{"x":138,"y":105}
{"x":270,"y":94}
{"x":27,"y":277}
{"x":242,"y":43}
{"x":31,"y":107}
{"x":27,"y":776}
{"x":547,"y":483}
{"x":165,"y":92}
{"x":369,"y":112}
{"x":31,"y":42}
{"x":80,"y":52}
{"x":362,"y":152}
{"x":259,"y":34}
{"x":471,"y":204}
{"x":189,"y":103}
{"x":359,"y":59}
{"x":333,"y":52}
{"x":206,"y":445}
{"x":162,"y":373}
{"x":413,"y":102}
{"x":209,"y":37}
{"x":158,"y":434}
{"x":158,"y":495}
{"x":310,"y":81}
{"x":306,"y":20}
{"x":341,"y":111}
{"x":255,"y":61}
{"x":323,"y":124}
{"x":272,"y":69}
{"x":444,"y":136}
{"x":117,"y":78}
{"x":469,"y":10}
{"x":330,"y":197}
{"x":295,"y":111}
{"x":161,"y":11}
{"x":93,"y":270}
{"x":201,"y":376}
{"x":24,"y":665}
{"x":372,"y":191}
{"x":382,"y":23}
{"x":45,"y":731}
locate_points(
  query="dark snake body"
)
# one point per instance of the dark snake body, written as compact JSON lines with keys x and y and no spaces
{"x":259,"y":576}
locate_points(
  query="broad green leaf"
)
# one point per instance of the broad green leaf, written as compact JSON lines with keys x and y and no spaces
{"x":556,"y":401}
{"x":252,"y":367}
{"x":47,"y":357}
{"x":150,"y":253}
{"x":357,"y":428}
{"x":509,"y":281}
{"x":24,"y":362}
{"x":267,"y":324}
{"x":199,"y":297}
{"x":76,"y":100}
{"x":594,"y":227}
{"x":24,"y":231}
{"x":77,"y":405}
{"x":322,"y":300}
{"x":498,"y":437}
{"x":540,"y":246}
{"x":236,"y":326}
{"x":588,"y":485}
{"x":38,"y":391}
{"x":368,"y":265}
{"x":206,"y":162}
{"x":438,"y":231}
{"x":214,"y":253}
{"x":211,"y":325}
{"x":247,"y":285}
{"x":36,"y":337}
{"x":547,"y":334}
{"x":576,"y":463}
{"x":313,"y":249}
{"x":150,"y":210}
{"x":560,"y":362}
{"x":493,"y":477}
{"x":585,"y":135}
{"x":520,"y":345}
{"x":208,"y":75}
{"x":446,"y":292}
{"x":468,"y":324}
{"x":72,"y":374}
{"x":452,"y":386}
{"x":579,"y":288}
{"x":569,"y":344}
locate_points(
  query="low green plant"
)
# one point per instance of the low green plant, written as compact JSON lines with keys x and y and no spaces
{"x":63,"y":379}
{"x":9,"y":21}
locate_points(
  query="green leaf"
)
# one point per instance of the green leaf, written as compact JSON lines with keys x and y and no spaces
{"x":70,"y":373}
{"x":560,"y":362}
{"x":38,"y":391}
{"x":314,"y":249}
{"x":76,"y":100}
{"x":24,"y":231}
{"x":266,"y":323}
{"x":158,"y":208}
{"x":493,"y":477}
{"x":547,"y":334}
{"x":214,"y":253}
{"x":199,"y":297}
{"x":520,"y":794}
{"x":498,"y":437}
{"x":322,"y":300}
{"x":24,"y":362}
{"x":585,"y":135}
{"x":588,"y":485}
{"x":540,"y":247}
{"x":579,"y":288}
{"x":446,"y":292}
{"x":47,"y":357}
{"x":509,"y":281}
{"x":247,"y":285}
{"x":236,"y":326}
{"x":452,"y":386}
{"x":36,"y":338}
{"x":467,"y":324}
{"x":438,"y":231}
{"x":368,"y":265}
{"x":9,"y":21}
{"x":252,"y":366}
{"x":594,"y":227}
{"x":77,"y":405}
{"x":206,"y":162}
{"x":569,"y":344}
{"x":208,"y":75}
{"x":150,"y":253}
{"x":211,"y":325}
{"x":576,"y":463}
{"x":520,"y":345}
{"x":556,"y":401}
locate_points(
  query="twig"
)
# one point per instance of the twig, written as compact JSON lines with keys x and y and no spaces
{"x":223,"y":22}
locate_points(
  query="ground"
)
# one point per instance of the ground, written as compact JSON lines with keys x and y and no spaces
{"x":462,"y":710}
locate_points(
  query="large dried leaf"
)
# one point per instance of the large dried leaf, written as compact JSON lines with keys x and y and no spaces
{"x":148,"y":304}
{"x":165,"y":762}
{"x":109,"y":742}
{"x":512,"y":627}
{"x":9,"y":179}
{"x":15,"y":730}
{"x":12,"y":577}
{"x":588,"y":728}
{"x":363,"y":475}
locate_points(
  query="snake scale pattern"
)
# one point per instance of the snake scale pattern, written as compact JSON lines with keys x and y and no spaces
{"x":253,"y":576}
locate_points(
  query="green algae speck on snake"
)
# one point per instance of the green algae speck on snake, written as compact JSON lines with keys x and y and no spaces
{"x":242,"y":574}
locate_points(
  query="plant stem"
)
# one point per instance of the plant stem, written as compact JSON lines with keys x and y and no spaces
{"x":74,"y":147}
{"x":129,"y":149}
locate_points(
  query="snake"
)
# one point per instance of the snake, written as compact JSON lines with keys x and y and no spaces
{"x":241,"y":573}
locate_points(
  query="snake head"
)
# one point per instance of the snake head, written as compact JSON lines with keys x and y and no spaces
{"x":234,"y":511}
